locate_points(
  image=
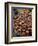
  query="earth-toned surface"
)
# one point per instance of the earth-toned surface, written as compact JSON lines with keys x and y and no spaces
{"x":23,"y":23}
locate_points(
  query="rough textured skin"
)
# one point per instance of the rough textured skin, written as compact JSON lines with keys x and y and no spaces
{"x":23,"y":23}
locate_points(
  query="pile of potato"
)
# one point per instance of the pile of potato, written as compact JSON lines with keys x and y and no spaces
{"x":23,"y":23}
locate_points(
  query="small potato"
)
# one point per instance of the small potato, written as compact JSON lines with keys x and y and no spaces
{"x":27,"y":31}
{"x":23,"y":33}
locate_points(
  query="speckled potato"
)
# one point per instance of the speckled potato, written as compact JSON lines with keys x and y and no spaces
{"x":23,"y":23}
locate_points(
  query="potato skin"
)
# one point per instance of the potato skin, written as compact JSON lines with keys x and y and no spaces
{"x":23,"y":23}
